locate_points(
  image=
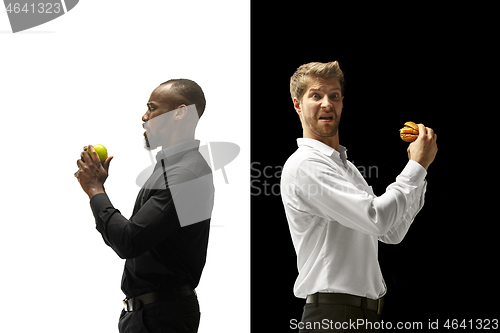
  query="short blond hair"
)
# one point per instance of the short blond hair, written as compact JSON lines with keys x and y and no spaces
{"x":301,"y":77}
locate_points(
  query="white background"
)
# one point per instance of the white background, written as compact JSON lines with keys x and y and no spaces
{"x":84,"y":78}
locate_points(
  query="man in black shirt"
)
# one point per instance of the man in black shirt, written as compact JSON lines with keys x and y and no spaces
{"x":165,"y":240}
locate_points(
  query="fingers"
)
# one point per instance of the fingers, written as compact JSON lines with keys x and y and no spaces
{"x":107,"y":162}
{"x":426,"y":131}
{"x":82,"y":161}
{"x":422,"y":130}
{"x":79,"y":163}
{"x":83,"y":156}
{"x":430,"y":132}
{"x":93,"y":154}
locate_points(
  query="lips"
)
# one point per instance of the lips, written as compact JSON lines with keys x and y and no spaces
{"x":326,"y":117}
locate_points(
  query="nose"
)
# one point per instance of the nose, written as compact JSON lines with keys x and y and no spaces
{"x":145,"y":117}
{"x":326,"y":103}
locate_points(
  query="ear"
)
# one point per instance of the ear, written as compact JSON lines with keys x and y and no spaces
{"x":180,"y":112}
{"x":297,"y":106}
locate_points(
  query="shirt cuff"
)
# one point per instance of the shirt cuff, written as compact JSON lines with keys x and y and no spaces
{"x":414,"y":172}
{"x":98,"y":202}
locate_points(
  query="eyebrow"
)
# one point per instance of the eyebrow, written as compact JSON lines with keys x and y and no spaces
{"x":315,"y":89}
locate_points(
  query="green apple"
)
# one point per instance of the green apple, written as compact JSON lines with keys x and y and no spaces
{"x":101,"y":152}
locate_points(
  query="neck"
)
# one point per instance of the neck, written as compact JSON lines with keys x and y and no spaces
{"x":172,"y":141}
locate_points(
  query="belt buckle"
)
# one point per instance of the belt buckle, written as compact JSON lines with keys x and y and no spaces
{"x":125,"y":305}
{"x":132,"y":304}
{"x":128,"y":305}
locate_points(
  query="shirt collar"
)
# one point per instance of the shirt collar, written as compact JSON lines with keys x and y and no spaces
{"x":177,"y":150}
{"x":325,"y":149}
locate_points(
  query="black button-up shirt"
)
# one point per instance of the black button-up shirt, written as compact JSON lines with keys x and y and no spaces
{"x":165,"y":240}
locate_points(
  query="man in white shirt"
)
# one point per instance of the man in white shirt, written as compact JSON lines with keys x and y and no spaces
{"x":334,"y":217}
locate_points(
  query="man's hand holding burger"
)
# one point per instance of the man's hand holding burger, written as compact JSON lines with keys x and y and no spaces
{"x":423,"y":149}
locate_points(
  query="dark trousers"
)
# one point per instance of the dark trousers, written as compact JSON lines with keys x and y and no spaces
{"x":181,"y":315}
{"x":338,"y":318}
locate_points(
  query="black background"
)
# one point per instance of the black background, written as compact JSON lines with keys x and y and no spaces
{"x":400,"y":65}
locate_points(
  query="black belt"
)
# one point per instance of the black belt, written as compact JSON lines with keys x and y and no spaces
{"x":346,"y":299}
{"x":135,"y":303}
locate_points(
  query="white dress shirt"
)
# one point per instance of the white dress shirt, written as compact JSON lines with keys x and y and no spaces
{"x":336,"y":220}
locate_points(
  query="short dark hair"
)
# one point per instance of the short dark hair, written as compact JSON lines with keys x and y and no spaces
{"x":188,"y":92}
